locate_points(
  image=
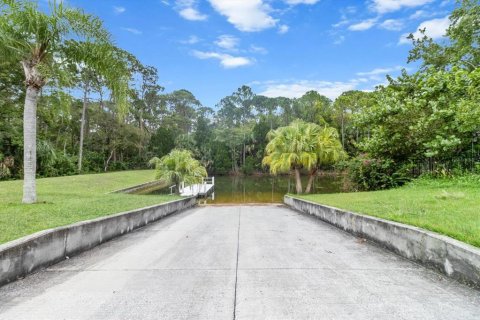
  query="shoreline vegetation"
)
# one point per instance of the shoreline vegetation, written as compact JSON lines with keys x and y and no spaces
{"x":66,"y":200}
{"x":449,"y":206}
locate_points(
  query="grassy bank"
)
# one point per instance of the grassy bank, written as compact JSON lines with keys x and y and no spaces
{"x":65,"y":200}
{"x":446,"y":206}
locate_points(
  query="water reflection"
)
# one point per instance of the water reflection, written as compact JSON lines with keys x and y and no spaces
{"x":266,"y":189}
{"x":263,"y":189}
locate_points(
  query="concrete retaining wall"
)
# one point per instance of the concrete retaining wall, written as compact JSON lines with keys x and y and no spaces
{"x":25,"y":255}
{"x":453,"y":258}
{"x":141,"y":187}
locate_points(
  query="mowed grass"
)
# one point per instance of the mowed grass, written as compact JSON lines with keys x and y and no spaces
{"x":65,"y":200}
{"x":447,"y":206}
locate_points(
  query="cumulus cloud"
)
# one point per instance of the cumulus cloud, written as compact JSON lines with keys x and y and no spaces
{"x":363,"y":25}
{"x":227,"y":42}
{"x":192,"y":14}
{"x":296,"y":89}
{"x":227,"y":61}
{"x":392,"y":24}
{"x":188,"y":10}
{"x":419,"y":14}
{"x":379,"y":71}
{"x":385,"y":6}
{"x":246,"y":15}
{"x":435,"y":29}
{"x":365,"y":81}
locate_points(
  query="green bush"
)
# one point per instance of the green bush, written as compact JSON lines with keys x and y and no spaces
{"x":376,"y":174}
{"x":222,"y":163}
{"x":249,"y":166}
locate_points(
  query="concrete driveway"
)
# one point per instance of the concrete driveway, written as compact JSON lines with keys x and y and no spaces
{"x":249,"y":262}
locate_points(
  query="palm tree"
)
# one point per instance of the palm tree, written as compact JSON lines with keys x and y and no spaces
{"x":179,"y":166}
{"x":43,"y":44}
{"x":329,"y":151}
{"x":292,"y":148}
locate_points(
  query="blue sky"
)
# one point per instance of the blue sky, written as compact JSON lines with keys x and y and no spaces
{"x":278,"y":47}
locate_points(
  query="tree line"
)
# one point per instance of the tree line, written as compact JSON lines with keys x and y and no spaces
{"x":72,"y":102}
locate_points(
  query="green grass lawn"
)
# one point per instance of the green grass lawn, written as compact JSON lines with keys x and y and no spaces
{"x":65,"y":200}
{"x":447,"y":206}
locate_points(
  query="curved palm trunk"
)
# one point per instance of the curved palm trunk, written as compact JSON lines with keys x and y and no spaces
{"x":177,"y":189}
{"x":30,"y":145}
{"x":311,"y":178}
{"x":298,"y":181}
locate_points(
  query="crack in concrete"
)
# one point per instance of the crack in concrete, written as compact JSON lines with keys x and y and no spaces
{"x":236,"y":266}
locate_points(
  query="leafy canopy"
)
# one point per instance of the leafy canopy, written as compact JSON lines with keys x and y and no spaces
{"x":51,"y":45}
{"x":179,"y":166}
{"x":302,"y":145}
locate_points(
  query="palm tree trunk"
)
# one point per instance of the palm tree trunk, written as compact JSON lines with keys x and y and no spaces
{"x":30,"y":145}
{"x":177,"y":188}
{"x":82,"y":127}
{"x":311,"y":178}
{"x":298,"y":181}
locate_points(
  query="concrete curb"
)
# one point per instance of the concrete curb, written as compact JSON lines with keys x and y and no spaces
{"x":454,"y":258}
{"x":138,"y":187}
{"x":25,"y":255}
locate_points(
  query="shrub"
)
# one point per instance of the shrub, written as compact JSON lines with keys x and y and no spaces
{"x":376,"y":174}
{"x":249,"y":166}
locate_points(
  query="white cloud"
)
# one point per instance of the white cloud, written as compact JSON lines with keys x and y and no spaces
{"x":423,"y":14}
{"x":226,"y":60}
{"x":192,"y":14}
{"x":191,"y":40}
{"x":384,"y":6}
{"x":246,"y":15}
{"x":188,"y":10}
{"x":362,"y":26}
{"x":435,"y":29}
{"x":344,"y":18}
{"x":283,"y":29}
{"x":392,"y":24}
{"x":295,"y":2}
{"x":119,"y":10}
{"x":341,"y":23}
{"x":133,"y":30}
{"x":227,"y":42}
{"x":296,"y":89}
{"x":419,"y":14}
{"x":257,"y":49}
{"x":379,"y":71}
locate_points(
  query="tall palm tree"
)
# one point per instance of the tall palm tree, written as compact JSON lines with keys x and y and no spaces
{"x":292,"y":148}
{"x":179,"y":166}
{"x":42,"y":44}
{"x":329,"y":151}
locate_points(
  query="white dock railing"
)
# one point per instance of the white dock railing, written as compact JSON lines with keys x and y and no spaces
{"x":201,"y":189}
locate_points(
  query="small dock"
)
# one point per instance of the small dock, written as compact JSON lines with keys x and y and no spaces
{"x":202,"y":189}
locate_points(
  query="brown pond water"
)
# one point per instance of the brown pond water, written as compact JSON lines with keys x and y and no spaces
{"x":263,"y":189}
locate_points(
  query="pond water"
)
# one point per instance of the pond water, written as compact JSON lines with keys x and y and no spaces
{"x":263,"y":189}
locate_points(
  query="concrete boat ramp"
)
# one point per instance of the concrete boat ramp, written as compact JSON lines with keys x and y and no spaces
{"x":238,"y":262}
